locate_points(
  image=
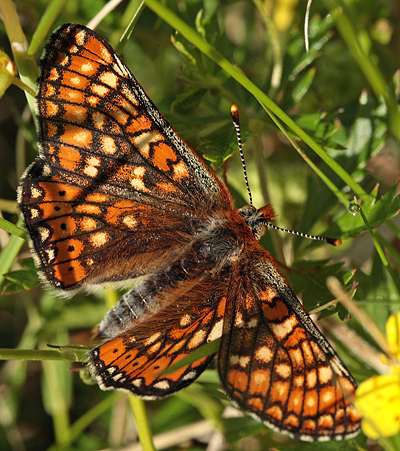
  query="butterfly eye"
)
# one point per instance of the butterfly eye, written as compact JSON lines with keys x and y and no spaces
{"x":261,"y":230}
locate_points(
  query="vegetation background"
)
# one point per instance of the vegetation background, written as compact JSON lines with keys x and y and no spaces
{"x":342,"y":95}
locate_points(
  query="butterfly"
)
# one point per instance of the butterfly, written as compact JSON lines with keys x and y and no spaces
{"x":117,"y":196}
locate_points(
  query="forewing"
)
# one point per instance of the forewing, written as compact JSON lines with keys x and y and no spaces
{"x":158,"y":334}
{"x":113,"y":182}
{"x":275,"y":364}
{"x":80,"y":235}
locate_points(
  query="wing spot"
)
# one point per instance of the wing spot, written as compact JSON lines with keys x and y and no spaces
{"x":275,"y":412}
{"x":44,"y":233}
{"x":197,"y":339}
{"x":98,"y":120}
{"x":80,"y":37}
{"x":281,"y":330}
{"x":46,"y":170}
{"x":50,"y":254}
{"x":99,"y":239}
{"x":264,"y":354}
{"x":284,"y":370}
{"x":130,"y":221}
{"x":34,"y":213}
{"x":311,"y":378}
{"x":328,"y":395}
{"x":91,"y":171}
{"x":52,"y":109}
{"x":110,"y":79}
{"x":108,"y":145}
{"x":325,"y":374}
{"x":100,"y":90}
{"x":216,"y":331}
{"x":64,"y":61}
{"x":88,"y":224}
{"x":75,"y":80}
{"x":243,"y":361}
{"x":190,"y":375}
{"x":36,"y":192}
{"x":154,"y":348}
{"x":292,"y":421}
{"x":185,"y":320}
{"x":162,"y":385}
{"x":152,"y":339}
{"x":239,"y":322}
{"x":143,"y":141}
{"x":252,"y":323}
{"x":298,"y":381}
{"x":180,"y":171}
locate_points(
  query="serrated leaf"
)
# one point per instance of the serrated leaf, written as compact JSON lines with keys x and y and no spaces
{"x":22,"y":279}
{"x":377,"y":212}
{"x":221,"y":144}
{"x":190,"y":98}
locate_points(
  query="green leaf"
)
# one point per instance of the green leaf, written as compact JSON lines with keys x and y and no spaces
{"x":23,"y":279}
{"x":376,"y":211}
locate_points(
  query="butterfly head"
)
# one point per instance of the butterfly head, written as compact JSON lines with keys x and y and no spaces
{"x":257,"y":219}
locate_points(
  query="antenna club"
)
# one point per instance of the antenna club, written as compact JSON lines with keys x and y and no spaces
{"x":235,"y":113}
{"x":334,"y":241}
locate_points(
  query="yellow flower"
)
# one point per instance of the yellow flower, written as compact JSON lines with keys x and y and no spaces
{"x":378,"y":398}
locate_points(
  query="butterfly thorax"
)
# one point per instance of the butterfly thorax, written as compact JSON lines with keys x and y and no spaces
{"x":257,"y":219}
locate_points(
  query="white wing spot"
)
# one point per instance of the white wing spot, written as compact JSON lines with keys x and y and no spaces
{"x":100,"y":90}
{"x":185,"y":320}
{"x":34,"y":213}
{"x":111,"y":370}
{"x":283,"y":370}
{"x":162,"y":385}
{"x":281,"y":330}
{"x":143,"y":141}
{"x":110,"y":79}
{"x":44,"y":233}
{"x":36,"y":192}
{"x":264,"y":354}
{"x":87,"y":67}
{"x":99,"y":239}
{"x":130,"y":221}
{"x":190,"y":375}
{"x":152,"y":339}
{"x":252,"y":323}
{"x":197,"y":339}
{"x":50,"y":254}
{"x":239,"y":320}
{"x":325,"y":374}
{"x":216,"y":331}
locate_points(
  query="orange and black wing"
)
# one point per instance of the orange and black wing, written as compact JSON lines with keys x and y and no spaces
{"x":113,"y":178}
{"x":275,"y":364}
{"x":149,"y":330}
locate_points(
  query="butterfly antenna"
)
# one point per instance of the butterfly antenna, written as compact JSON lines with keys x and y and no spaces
{"x":332,"y":241}
{"x":236,"y":123}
